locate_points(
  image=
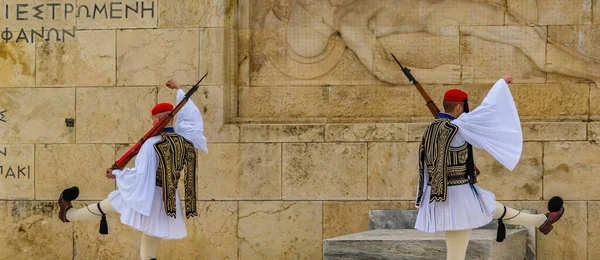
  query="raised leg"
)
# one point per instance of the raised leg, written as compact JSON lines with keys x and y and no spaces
{"x":90,"y":212}
{"x":542,"y":221}
{"x":456,"y":244}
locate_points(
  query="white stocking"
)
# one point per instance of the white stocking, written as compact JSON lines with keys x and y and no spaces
{"x":148,"y":247}
{"x":90,"y":212}
{"x":515,"y":217}
{"x":456,"y":244}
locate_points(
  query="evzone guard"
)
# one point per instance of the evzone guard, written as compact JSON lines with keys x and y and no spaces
{"x":447,"y":198}
{"x":147,"y":198}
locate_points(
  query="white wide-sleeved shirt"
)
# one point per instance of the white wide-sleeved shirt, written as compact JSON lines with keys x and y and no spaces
{"x":137,"y":195}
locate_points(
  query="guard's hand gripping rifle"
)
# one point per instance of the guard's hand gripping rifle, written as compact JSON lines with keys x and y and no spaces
{"x":120,"y":164}
{"x":430,"y":104}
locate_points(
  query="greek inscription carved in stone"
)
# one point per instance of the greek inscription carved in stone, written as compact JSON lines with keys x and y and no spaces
{"x":54,"y":11}
{"x":2,"y":116}
{"x":18,"y":172}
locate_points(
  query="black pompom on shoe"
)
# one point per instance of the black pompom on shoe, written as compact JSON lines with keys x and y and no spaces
{"x":555,"y":204}
{"x":64,"y":202}
{"x":71,"y":193}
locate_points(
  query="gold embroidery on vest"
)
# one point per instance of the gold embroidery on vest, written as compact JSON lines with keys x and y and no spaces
{"x":175,"y":154}
{"x":434,"y":153}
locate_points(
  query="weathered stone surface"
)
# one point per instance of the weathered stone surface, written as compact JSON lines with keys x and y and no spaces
{"x":60,"y":166}
{"x":114,"y":115}
{"x":289,"y":102}
{"x":118,"y":15}
{"x":212,"y":46}
{"x":324,"y":171}
{"x":545,"y":100}
{"x":392,"y":219}
{"x":412,"y":244}
{"x":577,"y":68}
{"x":554,"y":131}
{"x":550,"y":12}
{"x":174,"y":56}
{"x":596,"y":12}
{"x":192,"y":13}
{"x":36,"y":115}
{"x":210,"y":102}
{"x":593,"y":225}
{"x":568,"y":239}
{"x":280,"y":230}
{"x":393,"y":170}
{"x":594,"y":131}
{"x":594,"y":100}
{"x":292,"y":45}
{"x":122,"y":242}
{"x":31,"y":230}
{"x":17,"y":61}
{"x":27,"y":19}
{"x":523,"y":183}
{"x":496,"y":50}
{"x":121,"y":149}
{"x":423,"y":50}
{"x":344,"y":218}
{"x":17,"y":171}
{"x":87,"y":60}
{"x":282,"y":133}
{"x":211,"y":235}
{"x":240,"y":171}
{"x":366,"y":132}
{"x":580,"y":39}
{"x":371,"y":101}
{"x":416,"y":130}
{"x":490,"y":12}
{"x":569,"y":170}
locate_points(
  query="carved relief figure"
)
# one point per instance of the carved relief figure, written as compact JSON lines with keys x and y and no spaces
{"x":316,"y":33}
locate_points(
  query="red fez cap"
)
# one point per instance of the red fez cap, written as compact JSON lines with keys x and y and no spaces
{"x":162,"y":107}
{"x":455,"y":95}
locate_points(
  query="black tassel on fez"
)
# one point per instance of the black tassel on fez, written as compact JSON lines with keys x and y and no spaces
{"x":103,"y":223}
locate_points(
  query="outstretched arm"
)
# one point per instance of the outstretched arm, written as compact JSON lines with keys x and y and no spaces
{"x":189,"y":121}
{"x":494,"y":126}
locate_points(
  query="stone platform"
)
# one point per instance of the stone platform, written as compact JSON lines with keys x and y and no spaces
{"x":392,"y":235}
{"x":410,"y":244}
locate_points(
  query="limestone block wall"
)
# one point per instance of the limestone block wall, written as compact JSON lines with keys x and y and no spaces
{"x":310,"y":122}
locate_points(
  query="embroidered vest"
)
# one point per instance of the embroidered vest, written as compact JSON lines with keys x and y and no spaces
{"x":446,"y":166}
{"x":175,"y":154}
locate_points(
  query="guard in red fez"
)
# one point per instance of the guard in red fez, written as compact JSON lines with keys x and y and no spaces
{"x":161,"y":108}
{"x":147,"y":198}
{"x":455,"y":95}
{"x":448,"y":197}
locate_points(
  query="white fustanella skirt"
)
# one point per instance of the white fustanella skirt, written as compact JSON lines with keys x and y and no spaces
{"x":158,"y":224}
{"x":463,"y":209}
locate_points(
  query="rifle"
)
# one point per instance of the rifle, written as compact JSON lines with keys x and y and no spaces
{"x":430,"y":104}
{"x":120,"y":164}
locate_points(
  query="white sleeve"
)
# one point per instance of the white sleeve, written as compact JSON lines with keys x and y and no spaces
{"x":136,"y":185}
{"x":189,"y":123}
{"x":494,"y":126}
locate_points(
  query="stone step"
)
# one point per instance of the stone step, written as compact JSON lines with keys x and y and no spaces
{"x":405,"y":219}
{"x":407,"y":244}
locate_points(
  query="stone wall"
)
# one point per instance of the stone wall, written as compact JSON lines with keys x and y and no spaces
{"x":310,"y":122}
